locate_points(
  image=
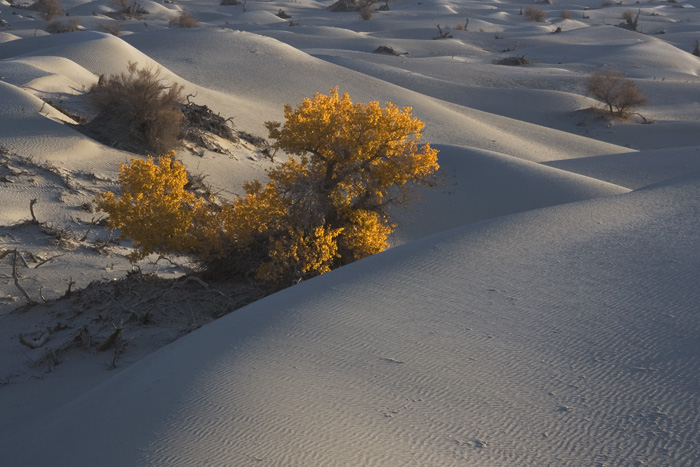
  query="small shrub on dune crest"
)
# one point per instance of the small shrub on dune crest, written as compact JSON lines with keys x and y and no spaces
{"x":617,"y":92}
{"x":139,"y":105}
{"x":535,"y":14}
{"x":184,"y":20}
{"x":324,"y":207}
{"x":565,"y":14}
{"x":114,"y":29}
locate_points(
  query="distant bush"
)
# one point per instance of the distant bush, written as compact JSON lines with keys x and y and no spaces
{"x":114,"y":29}
{"x":141,"y":106}
{"x":565,"y":14}
{"x":514,"y":61}
{"x":367,"y":11}
{"x":49,"y":9}
{"x":354,"y":5}
{"x":617,"y":92}
{"x":128,"y":10}
{"x":57,"y":26}
{"x":535,"y":14}
{"x":631,"y":20}
{"x":184,"y":20}
{"x":229,"y":2}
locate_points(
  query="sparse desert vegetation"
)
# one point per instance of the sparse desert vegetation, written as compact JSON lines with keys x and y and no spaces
{"x":535,"y":14}
{"x":184,"y":20}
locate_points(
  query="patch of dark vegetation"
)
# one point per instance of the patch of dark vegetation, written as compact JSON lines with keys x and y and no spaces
{"x":516,"y":60}
{"x":384,"y":49}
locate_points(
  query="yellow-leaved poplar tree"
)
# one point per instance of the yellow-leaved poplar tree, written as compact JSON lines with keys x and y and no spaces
{"x":349,"y":162}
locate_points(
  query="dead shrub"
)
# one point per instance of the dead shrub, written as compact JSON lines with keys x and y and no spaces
{"x":49,"y":9}
{"x":114,"y":29}
{"x":57,"y":26}
{"x":631,"y":20}
{"x":184,"y":20}
{"x":137,"y":106}
{"x":617,"y":92}
{"x":128,"y":10}
{"x":565,"y":14}
{"x":535,"y":14}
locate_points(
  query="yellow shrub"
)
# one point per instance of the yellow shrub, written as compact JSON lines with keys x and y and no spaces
{"x":323,"y":207}
{"x":153,"y":208}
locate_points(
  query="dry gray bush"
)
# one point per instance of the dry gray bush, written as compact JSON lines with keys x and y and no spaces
{"x":57,"y":26}
{"x":114,"y":29}
{"x":184,"y":20}
{"x":631,"y":20}
{"x":49,"y":9}
{"x":535,"y":14}
{"x":617,"y":92}
{"x":565,"y":14}
{"x":516,"y":60}
{"x":367,"y":11}
{"x":128,"y":10}
{"x":137,"y":106}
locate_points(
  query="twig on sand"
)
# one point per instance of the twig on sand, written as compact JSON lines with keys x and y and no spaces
{"x":16,"y":278}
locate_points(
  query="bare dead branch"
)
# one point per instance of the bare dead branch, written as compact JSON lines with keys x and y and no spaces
{"x":107,"y":343}
{"x":16,"y":278}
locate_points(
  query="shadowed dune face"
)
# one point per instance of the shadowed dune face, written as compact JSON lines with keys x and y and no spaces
{"x":537,"y":308}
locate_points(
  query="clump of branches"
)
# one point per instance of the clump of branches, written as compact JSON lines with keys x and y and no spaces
{"x":199,"y":122}
{"x":442,"y":34}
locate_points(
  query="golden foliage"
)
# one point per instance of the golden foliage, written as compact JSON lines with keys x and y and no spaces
{"x":323,"y":207}
{"x":153,"y":207}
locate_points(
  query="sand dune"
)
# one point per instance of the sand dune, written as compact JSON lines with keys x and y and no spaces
{"x":539,"y":307}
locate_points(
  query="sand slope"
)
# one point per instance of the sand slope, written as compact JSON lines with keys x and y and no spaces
{"x":532,"y":340}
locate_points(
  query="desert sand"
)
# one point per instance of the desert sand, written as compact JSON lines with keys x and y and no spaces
{"x":539,"y":307}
